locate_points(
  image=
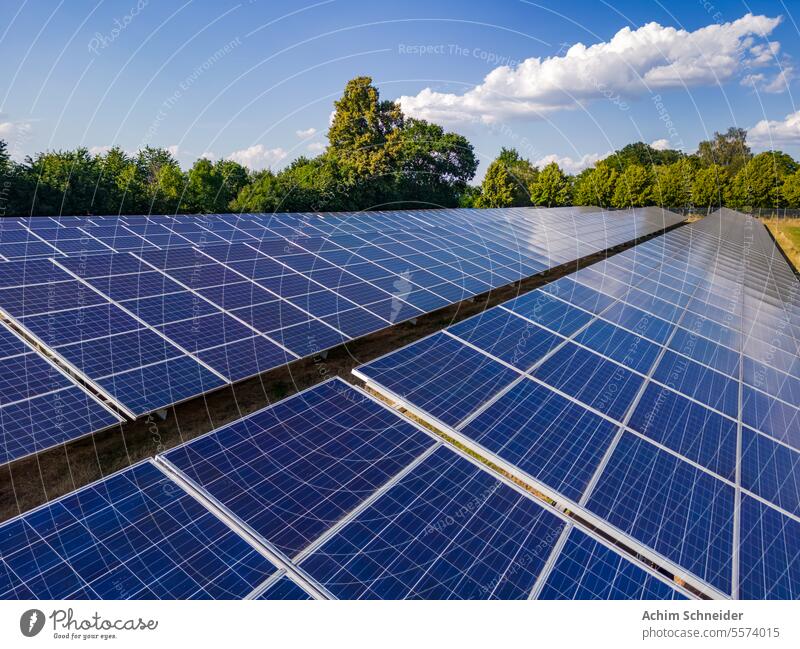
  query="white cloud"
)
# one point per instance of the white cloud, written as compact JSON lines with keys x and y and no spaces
{"x":208,"y":155}
{"x":776,"y":132}
{"x":660,"y":145}
{"x":174,"y":150}
{"x":570,"y":165}
{"x":652,"y":58}
{"x":258,"y":156}
{"x":316,"y":147}
{"x":306,"y":133}
{"x":9,"y":130}
{"x":101,"y":149}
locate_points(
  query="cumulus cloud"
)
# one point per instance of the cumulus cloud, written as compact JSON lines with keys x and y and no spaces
{"x":208,"y":155}
{"x":174,"y":150}
{"x":9,"y":130}
{"x":258,"y":156}
{"x":660,"y":145}
{"x":776,"y":132}
{"x":652,"y":57}
{"x":316,"y":147}
{"x":571,"y":165}
{"x":306,"y":133}
{"x":100,"y":149}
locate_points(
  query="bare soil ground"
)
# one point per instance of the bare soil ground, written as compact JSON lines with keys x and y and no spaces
{"x":35,"y":480}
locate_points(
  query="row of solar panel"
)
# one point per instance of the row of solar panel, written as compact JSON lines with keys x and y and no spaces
{"x":157,"y":328}
{"x":46,"y":236}
{"x":630,"y":391}
{"x":326,"y":494}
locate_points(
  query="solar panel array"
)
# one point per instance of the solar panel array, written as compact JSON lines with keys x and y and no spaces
{"x":328,"y":494}
{"x":149,"y":311}
{"x":655,"y":393}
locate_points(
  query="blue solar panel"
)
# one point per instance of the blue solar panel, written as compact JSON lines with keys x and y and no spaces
{"x":549,"y":312}
{"x":587,"y":569}
{"x":547,"y":436}
{"x":446,"y":530}
{"x":41,"y":407}
{"x":687,"y":428}
{"x":284,"y":589}
{"x":506,"y":336}
{"x":771,"y":470}
{"x":599,"y":383}
{"x":293,"y":470}
{"x":622,"y":346}
{"x":440,"y":375}
{"x":692,"y":379}
{"x":772,"y":417}
{"x":769,"y":554}
{"x":674,"y":508}
{"x":134,"y":535}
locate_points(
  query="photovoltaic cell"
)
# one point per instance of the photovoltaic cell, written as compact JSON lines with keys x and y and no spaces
{"x":670,"y":506}
{"x":134,"y":535}
{"x":547,"y":436}
{"x":291,"y":471}
{"x":587,"y":569}
{"x":446,"y":530}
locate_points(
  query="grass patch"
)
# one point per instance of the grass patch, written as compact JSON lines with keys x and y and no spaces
{"x":787,"y":234}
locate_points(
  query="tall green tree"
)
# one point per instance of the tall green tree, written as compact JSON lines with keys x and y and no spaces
{"x":596,"y":186}
{"x":497,"y":189}
{"x":641,"y":153}
{"x":633,"y":188}
{"x":760,"y":181}
{"x":552,"y":188}
{"x":729,"y":150}
{"x":431,"y":166}
{"x":709,"y":187}
{"x":672,"y":184}
{"x":791,"y":190}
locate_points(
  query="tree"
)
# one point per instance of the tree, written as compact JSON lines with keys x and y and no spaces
{"x":497,"y":189}
{"x":596,"y":186}
{"x":759,"y":182}
{"x":360,"y":125}
{"x":118,"y":191}
{"x":551,"y":188}
{"x":204,"y":185}
{"x":633,"y":187}
{"x":160,"y":180}
{"x":62,"y":182}
{"x":709,"y":187}
{"x":672,"y":184}
{"x":791,"y":190}
{"x":643,"y":154}
{"x":430,"y":166}
{"x":234,"y":177}
{"x":521,"y":173}
{"x":729,"y":150}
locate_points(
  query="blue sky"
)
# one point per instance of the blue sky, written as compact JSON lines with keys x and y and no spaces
{"x":256,"y":80}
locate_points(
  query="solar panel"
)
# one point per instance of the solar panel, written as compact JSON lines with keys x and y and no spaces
{"x":40,"y":406}
{"x":136,"y":367}
{"x":284,"y":589}
{"x":649,"y":351}
{"x":447,"y":530}
{"x":587,"y":569}
{"x":291,"y":471}
{"x":133,"y":535}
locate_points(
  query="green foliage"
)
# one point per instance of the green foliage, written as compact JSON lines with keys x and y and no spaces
{"x":728,"y":150}
{"x":642,"y":154}
{"x":497,"y":189}
{"x":791,"y":190}
{"x":596,"y":186}
{"x":633,"y":187}
{"x":672,"y":184}
{"x":759,"y":182}
{"x":709,"y":187}
{"x":551,"y":188}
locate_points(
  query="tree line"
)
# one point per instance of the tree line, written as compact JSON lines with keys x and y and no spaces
{"x":377,"y":157}
{"x":723,"y":171}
